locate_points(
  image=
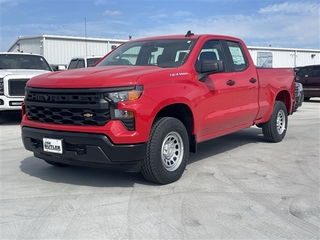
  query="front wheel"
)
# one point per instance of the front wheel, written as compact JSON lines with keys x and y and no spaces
{"x":167,"y":151}
{"x":275,"y":129}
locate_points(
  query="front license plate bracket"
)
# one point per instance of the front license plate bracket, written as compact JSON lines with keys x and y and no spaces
{"x":53,"y":145}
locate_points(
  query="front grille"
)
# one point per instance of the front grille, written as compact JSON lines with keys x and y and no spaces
{"x":16,"y":86}
{"x":68,"y":107}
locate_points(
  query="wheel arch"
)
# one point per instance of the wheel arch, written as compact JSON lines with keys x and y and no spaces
{"x":182,"y":112}
{"x":285,"y":97}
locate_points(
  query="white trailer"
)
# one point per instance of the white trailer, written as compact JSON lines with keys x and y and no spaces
{"x":60,"y":49}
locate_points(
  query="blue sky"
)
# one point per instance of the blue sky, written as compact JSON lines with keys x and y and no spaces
{"x":290,"y":24}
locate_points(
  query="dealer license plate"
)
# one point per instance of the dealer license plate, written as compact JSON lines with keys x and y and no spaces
{"x":52,"y":145}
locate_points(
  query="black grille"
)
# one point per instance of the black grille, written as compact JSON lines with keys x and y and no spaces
{"x":67,"y":107}
{"x":16,"y":86}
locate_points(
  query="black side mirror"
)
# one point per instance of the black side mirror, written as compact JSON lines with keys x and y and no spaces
{"x":209,"y":67}
{"x":212,"y":66}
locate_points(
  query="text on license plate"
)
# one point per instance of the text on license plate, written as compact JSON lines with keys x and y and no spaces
{"x":52,"y":145}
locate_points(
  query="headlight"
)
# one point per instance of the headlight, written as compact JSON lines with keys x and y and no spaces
{"x":121,"y":95}
{"x":299,"y":86}
{"x":128,"y":95}
{"x":1,"y":86}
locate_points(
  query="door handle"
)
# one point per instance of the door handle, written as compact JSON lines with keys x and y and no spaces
{"x":231,"y":82}
{"x":252,"y":80}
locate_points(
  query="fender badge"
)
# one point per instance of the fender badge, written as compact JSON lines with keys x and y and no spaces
{"x":87,"y":115}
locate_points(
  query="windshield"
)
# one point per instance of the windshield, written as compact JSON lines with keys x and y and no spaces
{"x":162,"y":53}
{"x":17,"y":61}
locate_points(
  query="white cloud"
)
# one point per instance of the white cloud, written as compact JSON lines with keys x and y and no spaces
{"x":291,"y":7}
{"x":112,"y":13}
{"x":162,"y":15}
{"x":99,"y":2}
{"x":278,"y":30}
{"x":10,"y":2}
{"x":266,"y":26}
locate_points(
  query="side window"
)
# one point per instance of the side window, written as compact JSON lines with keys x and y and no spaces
{"x":316,"y":72}
{"x":238,"y":57}
{"x":304,"y":72}
{"x":73,"y":64}
{"x":80,"y":63}
{"x":154,"y":57}
{"x":211,"y":50}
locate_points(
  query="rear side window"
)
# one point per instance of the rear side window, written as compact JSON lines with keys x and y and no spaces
{"x":304,"y":72}
{"x":76,"y":63}
{"x":316,"y":71}
{"x":238,"y":57}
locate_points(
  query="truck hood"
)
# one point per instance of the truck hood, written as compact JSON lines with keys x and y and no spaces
{"x":25,"y":72}
{"x":94,"y":77}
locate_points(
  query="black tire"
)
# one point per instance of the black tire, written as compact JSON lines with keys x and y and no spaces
{"x":275,"y":129}
{"x":167,"y":151}
{"x":306,"y":99}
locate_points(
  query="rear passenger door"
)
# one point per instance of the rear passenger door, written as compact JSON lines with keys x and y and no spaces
{"x":245,"y":83}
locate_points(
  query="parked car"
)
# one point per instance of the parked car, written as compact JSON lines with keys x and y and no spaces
{"x":83,"y":61}
{"x":16,"y":69}
{"x":299,"y":96}
{"x":309,"y":77}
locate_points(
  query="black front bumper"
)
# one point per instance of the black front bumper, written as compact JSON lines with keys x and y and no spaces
{"x":85,"y":149}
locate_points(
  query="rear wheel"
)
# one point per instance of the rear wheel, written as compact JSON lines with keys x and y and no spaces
{"x":167,"y":151}
{"x":275,"y":129}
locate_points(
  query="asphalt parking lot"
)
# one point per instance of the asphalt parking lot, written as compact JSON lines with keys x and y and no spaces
{"x":236,"y":187}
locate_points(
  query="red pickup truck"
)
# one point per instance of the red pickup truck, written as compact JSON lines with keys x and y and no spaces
{"x":149,"y":102}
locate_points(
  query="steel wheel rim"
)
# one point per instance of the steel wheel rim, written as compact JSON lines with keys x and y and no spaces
{"x":281,"y":122}
{"x":172,"y":151}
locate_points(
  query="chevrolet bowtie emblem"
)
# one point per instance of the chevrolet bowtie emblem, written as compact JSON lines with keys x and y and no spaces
{"x":88,"y":115}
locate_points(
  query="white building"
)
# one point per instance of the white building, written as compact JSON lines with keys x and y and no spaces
{"x":60,"y":49}
{"x":284,"y":57}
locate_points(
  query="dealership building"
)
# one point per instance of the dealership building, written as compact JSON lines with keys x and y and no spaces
{"x":60,"y":49}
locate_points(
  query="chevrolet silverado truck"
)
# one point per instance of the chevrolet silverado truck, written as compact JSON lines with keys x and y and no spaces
{"x":16,"y":69}
{"x":147,"y":104}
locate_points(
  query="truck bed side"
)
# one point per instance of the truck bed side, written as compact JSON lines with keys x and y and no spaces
{"x":274,"y":85}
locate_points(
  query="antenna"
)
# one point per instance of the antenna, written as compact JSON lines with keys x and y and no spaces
{"x":85,"y":35}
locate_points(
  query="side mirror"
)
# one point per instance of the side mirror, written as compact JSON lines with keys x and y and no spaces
{"x":61,"y":67}
{"x":208,"y":67}
{"x":212,"y":66}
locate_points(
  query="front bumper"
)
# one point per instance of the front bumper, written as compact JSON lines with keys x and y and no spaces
{"x":86,"y":149}
{"x":10,"y":103}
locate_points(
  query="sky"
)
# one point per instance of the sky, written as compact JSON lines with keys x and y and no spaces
{"x":287,"y":24}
